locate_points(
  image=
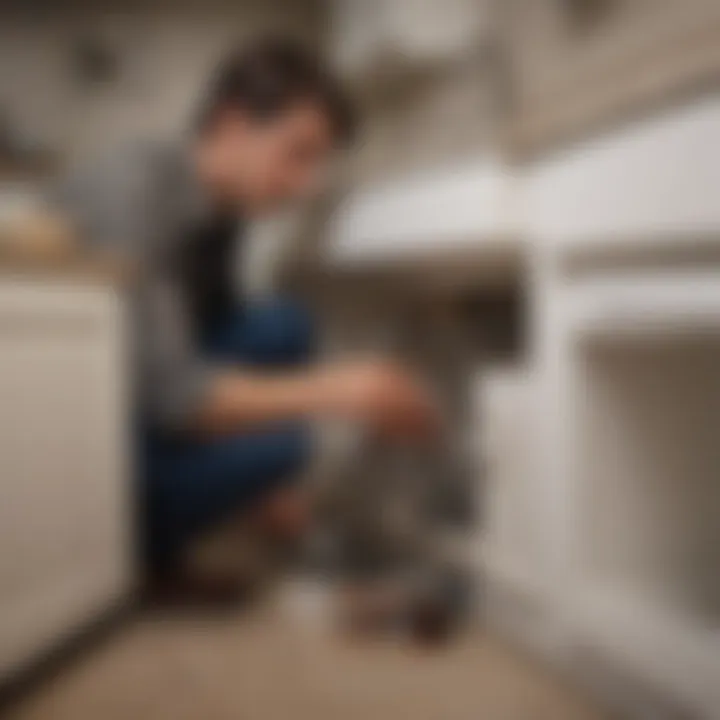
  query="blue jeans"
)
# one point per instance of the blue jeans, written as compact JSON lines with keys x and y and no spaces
{"x":192,"y":484}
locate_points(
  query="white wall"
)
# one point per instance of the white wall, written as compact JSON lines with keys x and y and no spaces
{"x":165,"y":53}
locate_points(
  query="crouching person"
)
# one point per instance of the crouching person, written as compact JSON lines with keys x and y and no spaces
{"x":227,"y":389}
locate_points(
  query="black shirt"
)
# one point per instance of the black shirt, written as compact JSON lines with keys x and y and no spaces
{"x":208,"y":271}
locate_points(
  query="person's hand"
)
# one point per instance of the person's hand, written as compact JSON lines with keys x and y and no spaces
{"x":381,"y":395}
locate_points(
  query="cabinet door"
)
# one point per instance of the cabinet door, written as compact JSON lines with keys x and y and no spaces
{"x":64,"y":543}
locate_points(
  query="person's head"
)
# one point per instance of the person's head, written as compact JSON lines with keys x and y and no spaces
{"x":269,"y":123}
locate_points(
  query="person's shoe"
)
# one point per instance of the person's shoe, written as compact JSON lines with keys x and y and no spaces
{"x":185,"y":589}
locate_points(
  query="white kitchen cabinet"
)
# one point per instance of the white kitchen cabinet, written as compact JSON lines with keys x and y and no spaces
{"x":65,"y":551}
{"x":508,"y":545}
{"x":644,"y":398}
{"x":625,"y":274}
{"x":461,"y":214}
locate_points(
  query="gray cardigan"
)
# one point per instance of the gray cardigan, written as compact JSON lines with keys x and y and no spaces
{"x":139,"y":202}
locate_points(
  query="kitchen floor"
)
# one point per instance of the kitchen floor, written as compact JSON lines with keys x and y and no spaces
{"x":274,"y":667}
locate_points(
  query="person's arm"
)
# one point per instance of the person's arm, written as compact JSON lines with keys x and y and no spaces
{"x":184,"y":391}
{"x":117,"y":208}
{"x":381,"y":396}
{"x":238,"y":398}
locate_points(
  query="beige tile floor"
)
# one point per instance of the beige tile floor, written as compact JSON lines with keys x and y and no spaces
{"x":273,"y":668}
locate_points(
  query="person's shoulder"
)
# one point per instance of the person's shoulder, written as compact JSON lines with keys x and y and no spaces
{"x":131,"y":162}
{"x":120,"y":186}
{"x":161,"y":167}
{"x":137,"y":161}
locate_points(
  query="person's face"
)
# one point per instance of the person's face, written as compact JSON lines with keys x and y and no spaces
{"x":271,"y":162}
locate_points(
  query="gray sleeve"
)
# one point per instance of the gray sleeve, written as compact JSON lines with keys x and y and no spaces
{"x":118,"y":205}
{"x":173,"y":379}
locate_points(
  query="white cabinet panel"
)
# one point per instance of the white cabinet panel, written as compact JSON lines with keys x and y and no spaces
{"x":646,"y":182}
{"x":64,"y":545}
{"x":460,"y":208}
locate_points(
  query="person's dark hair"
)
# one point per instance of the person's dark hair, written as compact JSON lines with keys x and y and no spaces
{"x":269,"y":77}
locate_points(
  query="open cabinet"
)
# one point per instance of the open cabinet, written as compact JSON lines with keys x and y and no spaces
{"x":645,"y":415}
